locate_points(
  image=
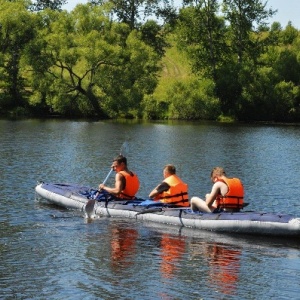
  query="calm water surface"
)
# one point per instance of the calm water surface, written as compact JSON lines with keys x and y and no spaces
{"x":52,"y":253}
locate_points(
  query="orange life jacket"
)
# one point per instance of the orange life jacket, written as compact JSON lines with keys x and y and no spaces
{"x":234,"y":198}
{"x":177,"y":194}
{"x":132,"y":185}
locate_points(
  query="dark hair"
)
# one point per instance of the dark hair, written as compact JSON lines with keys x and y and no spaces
{"x":121,"y":159}
{"x":170,"y":169}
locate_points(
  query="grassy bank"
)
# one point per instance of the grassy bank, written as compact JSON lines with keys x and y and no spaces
{"x":175,"y":67}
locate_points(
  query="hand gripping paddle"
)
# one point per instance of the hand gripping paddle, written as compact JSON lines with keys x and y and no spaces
{"x":90,"y":206}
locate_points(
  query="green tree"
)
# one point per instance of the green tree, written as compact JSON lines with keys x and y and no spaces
{"x":153,"y":35}
{"x":287,"y":96}
{"x":266,"y":99}
{"x":39,"y":5}
{"x":274,"y":33}
{"x":271,"y":93}
{"x":202,"y":34}
{"x":137,"y":15}
{"x":200,"y":101}
{"x":90,"y":65}
{"x":17,"y":29}
{"x":242,"y":16}
{"x":229,"y":47}
{"x":289,"y":34}
{"x":286,"y":67}
{"x":135,"y":12}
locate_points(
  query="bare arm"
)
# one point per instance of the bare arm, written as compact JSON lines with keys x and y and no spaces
{"x":119,"y":185}
{"x":218,"y":188}
{"x":162,"y":187}
{"x":154,"y":192}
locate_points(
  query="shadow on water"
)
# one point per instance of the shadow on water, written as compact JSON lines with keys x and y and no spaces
{"x":58,"y":212}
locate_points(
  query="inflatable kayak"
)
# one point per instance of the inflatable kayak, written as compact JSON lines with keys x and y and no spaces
{"x":83,"y":198}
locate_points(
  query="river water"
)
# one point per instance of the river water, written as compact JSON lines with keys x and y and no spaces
{"x":51,"y":253}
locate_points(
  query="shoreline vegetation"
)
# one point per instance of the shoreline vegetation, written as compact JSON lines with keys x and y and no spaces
{"x":190,"y":64}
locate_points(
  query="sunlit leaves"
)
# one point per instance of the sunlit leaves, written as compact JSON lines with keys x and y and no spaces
{"x":98,"y":66}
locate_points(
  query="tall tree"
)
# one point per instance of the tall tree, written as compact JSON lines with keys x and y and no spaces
{"x":202,"y":33}
{"x":228,"y":45}
{"x":243,"y":16}
{"x":90,"y":65}
{"x":39,"y":5}
{"x":140,"y":14}
{"x":17,"y":29}
{"x":135,"y":12}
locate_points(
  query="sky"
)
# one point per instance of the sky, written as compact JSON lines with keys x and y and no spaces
{"x":287,"y":10}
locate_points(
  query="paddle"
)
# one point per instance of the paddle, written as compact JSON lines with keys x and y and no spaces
{"x":89,"y":208}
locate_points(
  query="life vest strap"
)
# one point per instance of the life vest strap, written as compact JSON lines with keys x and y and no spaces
{"x":127,"y":197}
{"x":176,"y":195}
{"x":238,"y":205}
{"x":180,"y":201}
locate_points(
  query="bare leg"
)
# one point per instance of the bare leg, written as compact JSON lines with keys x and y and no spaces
{"x":199,"y":204}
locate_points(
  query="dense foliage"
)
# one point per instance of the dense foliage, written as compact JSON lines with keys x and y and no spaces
{"x":108,"y":59}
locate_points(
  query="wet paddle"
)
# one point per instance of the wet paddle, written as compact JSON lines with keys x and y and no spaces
{"x":90,"y":206}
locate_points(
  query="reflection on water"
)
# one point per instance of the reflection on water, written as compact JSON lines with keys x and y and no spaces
{"x":223,"y":267}
{"x":123,"y":246}
{"x":223,"y":264}
{"x":50,"y":253}
{"x":172,"y":249}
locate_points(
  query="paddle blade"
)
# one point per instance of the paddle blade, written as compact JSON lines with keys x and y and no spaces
{"x":90,"y":209}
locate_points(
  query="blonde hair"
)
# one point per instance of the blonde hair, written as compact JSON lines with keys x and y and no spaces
{"x":217,"y":171}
